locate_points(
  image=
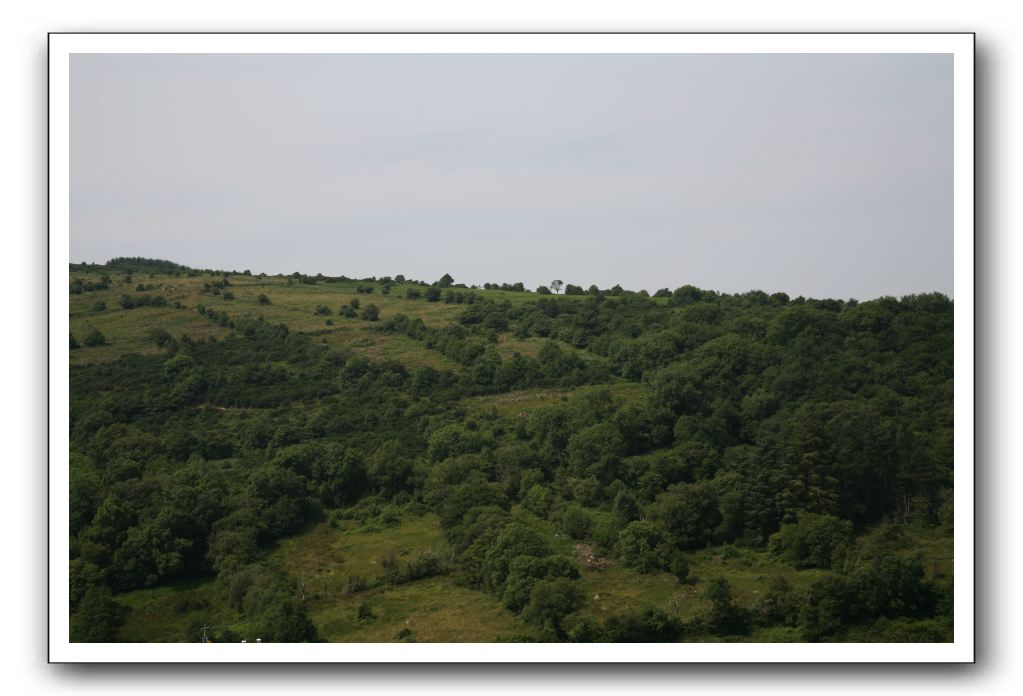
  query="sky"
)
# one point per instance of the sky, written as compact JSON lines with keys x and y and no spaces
{"x":815,"y":175}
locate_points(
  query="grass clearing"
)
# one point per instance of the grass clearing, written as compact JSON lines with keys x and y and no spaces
{"x":511,"y":404}
{"x":322,"y":559}
{"x":166,"y":614}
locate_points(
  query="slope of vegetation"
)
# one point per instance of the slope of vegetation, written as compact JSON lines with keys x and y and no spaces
{"x":311,"y":458}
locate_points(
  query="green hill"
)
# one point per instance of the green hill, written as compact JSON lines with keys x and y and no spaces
{"x":324,"y":458}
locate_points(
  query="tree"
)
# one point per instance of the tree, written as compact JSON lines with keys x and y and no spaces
{"x":556,"y":285}
{"x":446,"y":281}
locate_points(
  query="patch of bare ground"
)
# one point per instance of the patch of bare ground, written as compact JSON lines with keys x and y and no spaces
{"x":589,"y":558}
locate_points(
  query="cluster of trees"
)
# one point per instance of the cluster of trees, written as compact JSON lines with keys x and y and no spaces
{"x":139,"y":264}
{"x":511,"y":287}
{"x":135,"y":301}
{"x":78,"y":286}
{"x":216,"y":316}
{"x":472,"y":345}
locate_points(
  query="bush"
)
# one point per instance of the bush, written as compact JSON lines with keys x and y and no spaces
{"x":647,"y":625}
{"x":95,"y":338}
{"x":355,"y":583}
{"x":576,"y":522}
{"x":777,"y":605}
{"x":72,"y":342}
{"x":725,"y":618}
{"x":371,"y":313}
{"x":815,"y":541}
{"x":263,"y":299}
{"x":829,"y":602}
{"x":552,"y":600}
{"x":538,"y":500}
{"x":363,"y":614}
{"x":642,"y":546}
{"x":322,"y":310}
{"x":679,"y":566}
{"x":97,"y":617}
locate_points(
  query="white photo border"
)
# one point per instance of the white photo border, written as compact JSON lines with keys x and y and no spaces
{"x":62,"y":45}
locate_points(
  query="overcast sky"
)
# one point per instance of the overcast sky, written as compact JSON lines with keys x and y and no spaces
{"x":816,"y":175}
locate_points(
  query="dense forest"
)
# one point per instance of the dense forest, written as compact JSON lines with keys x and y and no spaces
{"x":593,"y":465}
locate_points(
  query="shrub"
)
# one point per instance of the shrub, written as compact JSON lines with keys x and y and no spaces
{"x":815,"y":541}
{"x":371,"y":313}
{"x":363,"y":614}
{"x":777,"y":605}
{"x":95,"y":338}
{"x":263,"y":299}
{"x":679,"y":566}
{"x":538,"y":500}
{"x":641,"y":545}
{"x":576,"y":522}
{"x":725,"y":618}
{"x":647,"y":625}
{"x":355,"y":583}
{"x":97,"y":617}
{"x":552,"y":600}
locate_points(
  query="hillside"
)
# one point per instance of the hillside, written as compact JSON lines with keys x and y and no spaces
{"x":311,"y":458}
